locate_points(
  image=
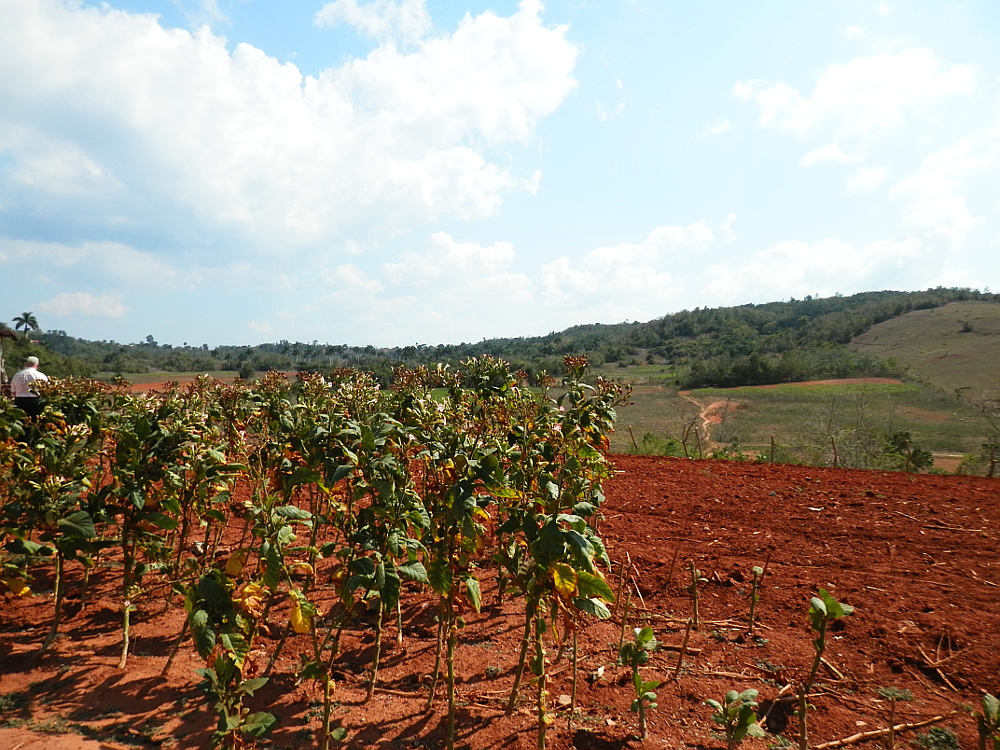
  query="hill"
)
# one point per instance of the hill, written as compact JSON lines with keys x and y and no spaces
{"x":753,"y":344}
{"x":953,"y":347}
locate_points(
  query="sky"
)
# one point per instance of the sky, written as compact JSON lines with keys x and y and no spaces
{"x":397,"y":172}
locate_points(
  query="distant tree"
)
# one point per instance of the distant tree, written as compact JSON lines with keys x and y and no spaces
{"x":27,"y":321}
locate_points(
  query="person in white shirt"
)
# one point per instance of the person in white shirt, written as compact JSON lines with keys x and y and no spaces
{"x":23,"y":387}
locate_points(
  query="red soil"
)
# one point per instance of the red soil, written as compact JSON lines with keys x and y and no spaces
{"x":916,"y":555}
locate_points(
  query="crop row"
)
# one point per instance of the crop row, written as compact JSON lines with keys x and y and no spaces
{"x":423,"y":482}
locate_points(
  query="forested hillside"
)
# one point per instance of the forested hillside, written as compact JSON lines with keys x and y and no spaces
{"x":727,"y":346}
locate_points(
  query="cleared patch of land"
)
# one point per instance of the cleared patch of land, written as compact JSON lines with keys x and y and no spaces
{"x":952,"y":347}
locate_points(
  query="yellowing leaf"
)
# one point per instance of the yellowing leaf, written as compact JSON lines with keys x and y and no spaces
{"x":303,"y":568}
{"x":251,"y":599}
{"x":301,"y":623}
{"x":18,"y":586}
{"x":564,"y":578}
{"x":235,"y":564}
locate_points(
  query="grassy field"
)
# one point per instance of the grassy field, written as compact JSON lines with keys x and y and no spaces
{"x":937,"y":349}
{"x":802,"y":417}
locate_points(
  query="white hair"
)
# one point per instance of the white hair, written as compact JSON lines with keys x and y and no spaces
{"x":31,"y":361}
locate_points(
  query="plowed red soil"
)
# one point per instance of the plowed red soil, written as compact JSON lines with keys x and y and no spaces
{"x":917,"y":556}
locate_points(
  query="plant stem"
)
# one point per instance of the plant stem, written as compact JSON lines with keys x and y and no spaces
{"x":684,"y":646}
{"x":437,"y":654}
{"x":694,"y":594}
{"x":452,"y":642}
{"x":529,"y":613}
{"x":378,"y":650}
{"x":820,"y":645}
{"x":57,"y":613}
{"x":542,"y":683}
{"x":572,"y":704}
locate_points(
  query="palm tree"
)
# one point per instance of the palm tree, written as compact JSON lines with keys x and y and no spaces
{"x":27,"y":321}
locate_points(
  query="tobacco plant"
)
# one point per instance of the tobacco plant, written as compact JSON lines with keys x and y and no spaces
{"x":988,"y":723}
{"x":758,"y":577}
{"x":736,"y":715}
{"x":893,"y":694}
{"x":696,"y":579}
{"x":823,"y":610}
{"x":224,"y":620}
{"x":634,"y":655}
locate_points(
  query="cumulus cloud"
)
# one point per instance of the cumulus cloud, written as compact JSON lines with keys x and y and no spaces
{"x":798,"y":268}
{"x":611,"y":279}
{"x":180,"y":135}
{"x":931,"y":193}
{"x":826,"y":155}
{"x":718,"y":129}
{"x":447,"y":286}
{"x":110,"y":260}
{"x":865,"y":97}
{"x":866,"y":178}
{"x":69,"y":304}
{"x":407,"y":20}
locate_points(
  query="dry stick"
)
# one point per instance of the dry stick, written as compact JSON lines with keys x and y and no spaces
{"x":834,"y":444}
{"x":862,"y":736}
{"x":684,"y":648}
{"x":621,"y":582}
{"x":572,"y":699}
{"x":934,"y":665}
{"x":772,"y":449}
{"x":633,"y":439}
{"x":833,"y":670}
{"x":637,"y":576}
{"x":621,"y":639}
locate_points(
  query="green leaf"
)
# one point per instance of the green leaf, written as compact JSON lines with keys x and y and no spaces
{"x":252,"y":685}
{"x":591,"y":585}
{"x":413,"y":570}
{"x":440,"y":577}
{"x":292,"y":512}
{"x":593,"y":607}
{"x":78,"y":524}
{"x":364,"y":566}
{"x":474,"y":592}
{"x":991,"y":708}
{"x":312,"y":670}
{"x":339,"y":734}
{"x":161,"y":520}
{"x":258,"y":724}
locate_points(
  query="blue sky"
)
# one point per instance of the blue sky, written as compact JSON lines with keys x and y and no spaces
{"x":435,"y":171}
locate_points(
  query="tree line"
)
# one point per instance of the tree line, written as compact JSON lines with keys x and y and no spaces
{"x":750,"y":344}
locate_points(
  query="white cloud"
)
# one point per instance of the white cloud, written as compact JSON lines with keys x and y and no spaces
{"x":799,"y":268}
{"x":626,"y":278}
{"x":865,"y":97}
{"x":932,"y":194}
{"x":603,"y":114}
{"x":447,"y":258}
{"x":867,"y":178}
{"x":80,"y":303}
{"x":406,"y":21}
{"x":178,"y":134}
{"x":121,"y":263}
{"x":727,"y":232}
{"x":723,"y":127}
{"x":449,"y":287}
{"x":264,"y":329}
{"x":825,"y":155}
{"x":855,"y":32}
